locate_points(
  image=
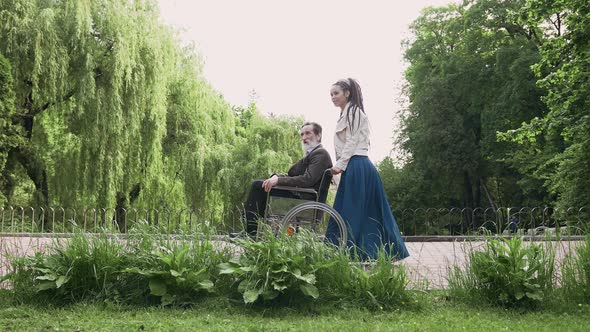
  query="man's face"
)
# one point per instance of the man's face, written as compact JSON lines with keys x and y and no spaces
{"x":308,"y":138}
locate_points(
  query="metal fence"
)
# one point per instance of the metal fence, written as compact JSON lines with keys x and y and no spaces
{"x":466,"y":221}
{"x":419,"y":221}
{"x":35,"y":220}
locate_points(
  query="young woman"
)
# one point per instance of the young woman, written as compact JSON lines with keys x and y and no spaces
{"x":360,"y":198}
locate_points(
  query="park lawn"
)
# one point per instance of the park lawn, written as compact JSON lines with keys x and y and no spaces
{"x":220,"y":315}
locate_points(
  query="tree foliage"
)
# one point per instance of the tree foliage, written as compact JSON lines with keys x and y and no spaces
{"x":498,"y":104}
{"x":115,"y":113}
{"x":468,"y":77}
{"x":564,"y":72}
{"x":10,"y":136}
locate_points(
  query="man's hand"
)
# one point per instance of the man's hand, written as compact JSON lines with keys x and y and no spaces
{"x":335,"y":170}
{"x":270,"y":182}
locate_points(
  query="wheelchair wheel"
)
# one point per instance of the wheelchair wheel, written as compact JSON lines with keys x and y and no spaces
{"x":313,"y":216}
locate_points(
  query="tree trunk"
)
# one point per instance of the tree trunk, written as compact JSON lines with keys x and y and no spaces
{"x":36,"y":171}
{"x":122,"y":208}
{"x":467,"y":197}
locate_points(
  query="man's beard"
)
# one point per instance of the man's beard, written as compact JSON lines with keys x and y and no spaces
{"x":310,"y":145}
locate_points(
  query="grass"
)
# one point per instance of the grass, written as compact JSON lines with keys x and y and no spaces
{"x":223,"y":315}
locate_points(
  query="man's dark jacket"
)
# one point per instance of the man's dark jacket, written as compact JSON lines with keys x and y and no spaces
{"x":308,"y":171}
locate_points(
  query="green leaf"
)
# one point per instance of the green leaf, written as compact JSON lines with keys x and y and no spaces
{"x":538,"y":296}
{"x":283,"y":268}
{"x":309,"y":278}
{"x":158,"y":287}
{"x":167,"y":260}
{"x":45,"y":285}
{"x":61,"y":280}
{"x":251,"y":295}
{"x":278,"y":286}
{"x":46,"y":277}
{"x":270,"y":294}
{"x":136,"y":270}
{"x":227,"y":268}
{"x":44,"y":270}
{"x":206,"y":284}
{"x":244,"y":285}
{"x":248,"y":268}
{"x":296,"y":273}
{"x":310,"y":290}
{"x":181,"y":255}
{"x":175,"y":273}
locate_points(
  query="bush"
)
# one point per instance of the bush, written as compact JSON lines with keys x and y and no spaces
{"x":148,"y":268}
{"x":145,"y":268}
{"x":505,"y":273}
{"x":178,"y":271}
{"x":279,"y":267}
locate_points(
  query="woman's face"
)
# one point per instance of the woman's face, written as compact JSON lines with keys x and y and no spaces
{"x":339,"y":97}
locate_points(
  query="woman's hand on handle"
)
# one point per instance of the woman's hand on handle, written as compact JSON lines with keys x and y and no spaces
{"x":335,"y":170}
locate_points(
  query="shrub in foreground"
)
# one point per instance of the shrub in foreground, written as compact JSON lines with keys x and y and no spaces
{"x":279,"y":267}
{"x":505,"y":272}
{"x":146,"y":268}
{"x":143,"y":269}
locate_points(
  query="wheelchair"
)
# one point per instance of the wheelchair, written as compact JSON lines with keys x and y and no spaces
{"x":306,"y":209}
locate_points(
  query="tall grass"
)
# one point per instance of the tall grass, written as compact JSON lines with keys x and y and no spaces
{"x":75,"y":269}
{"x":377,"y":284}
{"x":575,"y":274}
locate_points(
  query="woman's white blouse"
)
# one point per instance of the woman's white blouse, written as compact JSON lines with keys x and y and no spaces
{"x":351,"y":142}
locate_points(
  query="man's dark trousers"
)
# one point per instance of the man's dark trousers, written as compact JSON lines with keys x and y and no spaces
{"x":256,"y":204}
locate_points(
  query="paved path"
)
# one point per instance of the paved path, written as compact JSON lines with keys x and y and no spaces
{"x":427,"y":265}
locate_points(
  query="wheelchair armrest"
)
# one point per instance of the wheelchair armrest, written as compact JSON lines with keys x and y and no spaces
{"x":296,"y":189}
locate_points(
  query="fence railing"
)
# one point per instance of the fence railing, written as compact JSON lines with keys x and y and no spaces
{"x":464,"y":221}
{"x":67,"y":220}
{"x":419,"y":221}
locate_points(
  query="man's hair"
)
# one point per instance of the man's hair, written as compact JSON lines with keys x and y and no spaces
{"x":317,"y":129}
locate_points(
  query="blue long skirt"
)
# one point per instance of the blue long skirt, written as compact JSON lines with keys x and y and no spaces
{"x":362,"y":203}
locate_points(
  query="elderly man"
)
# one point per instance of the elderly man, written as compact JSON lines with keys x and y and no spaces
{"x":305,"y":173}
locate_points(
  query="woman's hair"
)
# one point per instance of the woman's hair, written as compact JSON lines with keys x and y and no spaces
{"x":355,"y":99}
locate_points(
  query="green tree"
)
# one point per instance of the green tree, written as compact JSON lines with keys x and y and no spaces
{"x":560,"y":137}
{"x":10,"y":136}
{"x":114,"y":113}
{"x":469,"y":75}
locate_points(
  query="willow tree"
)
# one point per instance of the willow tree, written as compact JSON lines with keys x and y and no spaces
{"x":114,"y":113}
{"x":10,"y":137}
{"x":92,"y":80}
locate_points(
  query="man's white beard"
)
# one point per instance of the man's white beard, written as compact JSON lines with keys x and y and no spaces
{"x":309,"y":146}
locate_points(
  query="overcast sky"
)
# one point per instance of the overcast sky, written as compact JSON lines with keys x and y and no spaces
{"x":291,"y":52}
